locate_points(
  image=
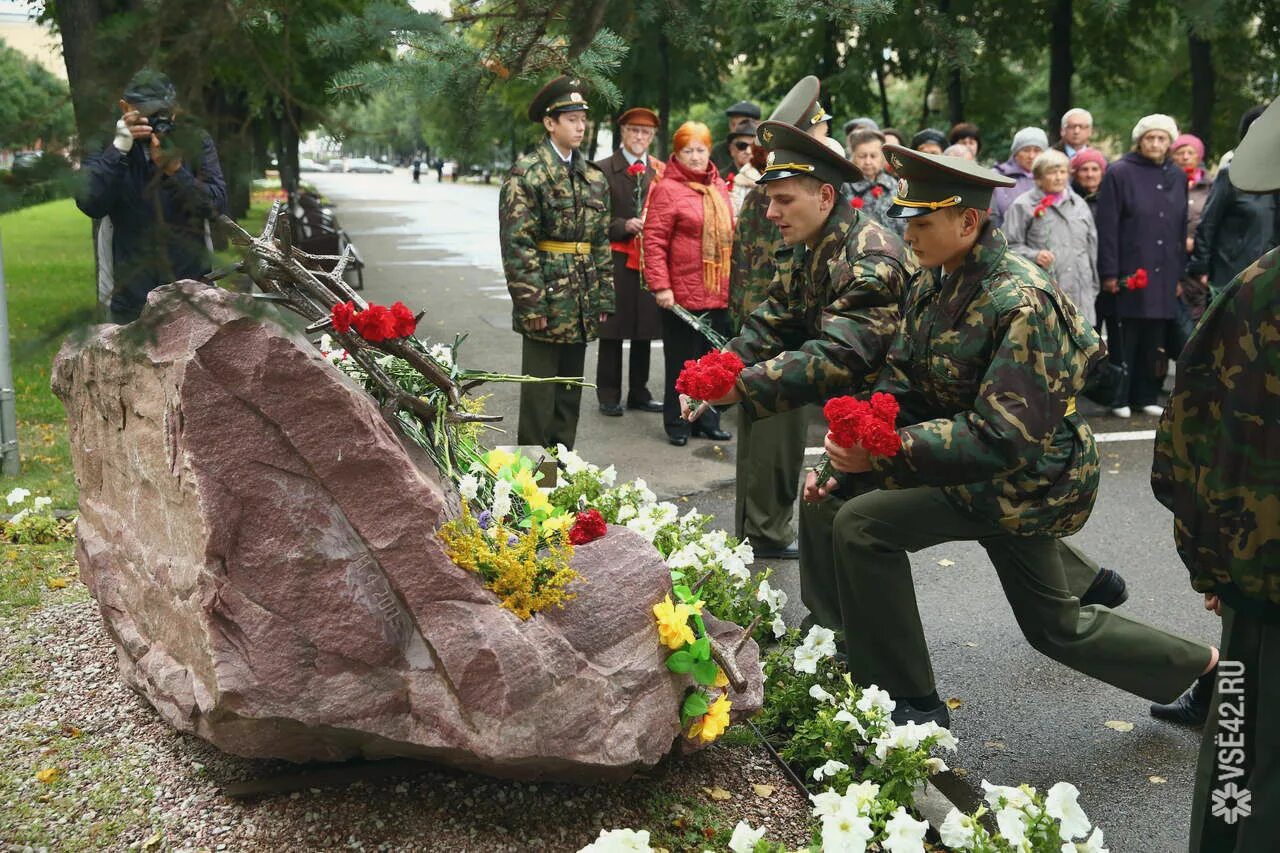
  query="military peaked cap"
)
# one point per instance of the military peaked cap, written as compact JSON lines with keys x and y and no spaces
{"x":800,"y":107}
{"x":561,"y":95}
{"x":1256,"y":164}
{"x":929,"y":182}
{"x":793,"y":152}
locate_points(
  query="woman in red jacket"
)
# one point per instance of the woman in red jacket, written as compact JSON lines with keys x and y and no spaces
{"x":688,"y":232}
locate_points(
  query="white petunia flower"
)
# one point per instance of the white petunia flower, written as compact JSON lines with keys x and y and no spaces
{"x":935,"y":766}
{"x":1092,"y":844}
{"x":43,"y":501}
{"x":1012,"y":823}
{"x":735,"y":568}
{"x":874,"y":697}
{"x":501,"y":500}
{"x":745,"y":838}
{"x":851,"y":722}
{"x":903,"y":833}
{"x":573,"y":463}
{"x":821,"y":695}
{"x":827,"y":803}
{"x":469,"y":486}
{"x":1012,"y":796}
{"x":642,"y":489}
{"x":620,"y":841}
{"x":18,"y":516}
{"x":17,"y":496}
{"x":1061,"y":802}
{"x":609,"y":476}
{"x":806,"y":659}
{"x":822,"y":640}
{"x":326,"y":344}
{"x":957,"y":831}
{"x":774,"y":599}
{"x":910,"y":736}
{"x":831,"y":768}
{"x":779,"y":627}
{"x":744,"y":552}
{"x":861,"y":796}
{"x":846,"y":832}
{"x":442,"y":354}
{"x":626,"y":512}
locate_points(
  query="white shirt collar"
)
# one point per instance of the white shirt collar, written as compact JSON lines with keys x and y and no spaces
{"x":631,"y":158}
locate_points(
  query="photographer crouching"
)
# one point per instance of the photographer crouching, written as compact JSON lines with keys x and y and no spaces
{"x":152,"y":191}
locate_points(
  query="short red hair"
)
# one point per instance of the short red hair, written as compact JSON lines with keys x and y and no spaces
{"x":691,"y":131}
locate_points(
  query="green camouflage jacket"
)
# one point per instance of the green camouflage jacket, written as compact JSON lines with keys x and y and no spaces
{"x":826,"y":331}
{"x":1217,"y":464}
{"x":545,"y":199}
{"x":986,"y":368}
{"x":759,"y":256}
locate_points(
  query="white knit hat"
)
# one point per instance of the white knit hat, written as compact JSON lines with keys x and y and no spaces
{"x":1027,"y":137}
{"x":1155,"y":121}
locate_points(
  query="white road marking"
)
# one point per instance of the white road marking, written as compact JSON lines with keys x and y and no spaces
{"x":1132,"y":435}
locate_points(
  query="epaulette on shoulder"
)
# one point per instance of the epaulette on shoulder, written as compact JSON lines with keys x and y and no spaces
{"x":1008,"y":287}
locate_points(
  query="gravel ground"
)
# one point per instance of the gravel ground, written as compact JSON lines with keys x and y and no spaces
{"x":126,"y":780}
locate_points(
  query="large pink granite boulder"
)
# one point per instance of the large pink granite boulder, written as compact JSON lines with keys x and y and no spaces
{"x":263,"y":550}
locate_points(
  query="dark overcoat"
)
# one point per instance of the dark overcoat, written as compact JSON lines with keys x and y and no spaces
{"x":637,"y":316}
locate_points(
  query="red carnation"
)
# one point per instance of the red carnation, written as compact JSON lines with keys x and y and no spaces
{"x":879,"y":438}
{"x":375,"y":323}
{"x":856,"y":203}
{"x":844,"y":419}
{"x":589,"y":527}
{"x":710,"y":377}
{"x":636,"y":168}
{"x":877,"y":191}
{"x":405,"y":321}
{"x":342,"y":315}
{"x":885,"y":407}
{"x":1137,"y":281}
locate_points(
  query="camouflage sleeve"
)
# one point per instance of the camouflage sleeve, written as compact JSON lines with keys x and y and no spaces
{"x":1021,"y":400}
{"x":601,"y":252}
{"x":775,"y":326}
{"x":854,"y":332}
{"x":517,"y":226}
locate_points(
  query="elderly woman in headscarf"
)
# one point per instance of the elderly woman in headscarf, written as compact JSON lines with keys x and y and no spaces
{"x":688,"y":235}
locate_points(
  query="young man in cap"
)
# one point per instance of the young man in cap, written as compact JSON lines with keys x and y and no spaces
{"x":150,"y":192}
{"x":985,"y":368}
{"x":771,"y":450}
{"x":553,"y":214}
{"x":1215,"y":469}
{"x":739,"y":113}
{"x":636,"y":317}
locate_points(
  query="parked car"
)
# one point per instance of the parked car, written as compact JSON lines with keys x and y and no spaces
{"x":306,"y":164}
{"x":368,"y":164}
{"x":336,"y":165}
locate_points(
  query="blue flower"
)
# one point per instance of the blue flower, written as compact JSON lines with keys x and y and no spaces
{"x":485,"y":519}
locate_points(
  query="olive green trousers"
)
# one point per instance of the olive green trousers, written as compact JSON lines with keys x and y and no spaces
{"x":770,"y":459}
{"x":549,"y":411}
{"x":868,"y":541}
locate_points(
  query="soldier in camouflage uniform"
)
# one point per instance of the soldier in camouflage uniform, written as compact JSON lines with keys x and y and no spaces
{"x":1216,"y":468}
{"x":770,"y":451}
{"x":554,"y":218}
{"x":985,"y":367}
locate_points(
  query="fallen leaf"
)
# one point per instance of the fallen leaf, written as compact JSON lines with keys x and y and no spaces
{"x":1157,"y":780}
{"x":153,"y":840}
{"x":48,"y":774}
{"x":1119,"y":725}
{"x":994,"y":744}
{"x":718,"y":793}
{"x":70,"y":730}
{"x":959,"y":771}
{"x":57,"y":583}
{"x":972,"y":645}
{"x":946,"y":563}
{"x":953,"y":703}
{"x":763,"y":790}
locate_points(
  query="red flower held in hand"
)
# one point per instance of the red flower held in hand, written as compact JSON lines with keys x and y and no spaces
{"x":710,"y":377}
{"x":877,"y":191}
{"x":342,"y":315}
{"x":589,"y":527}
{"x":635,"y":169}
{"x":406,"y":323}
{"x":375,"y":323}
{"x":856,"y":203}
{"x":868,"y":424}
{"x":1137,"y":281}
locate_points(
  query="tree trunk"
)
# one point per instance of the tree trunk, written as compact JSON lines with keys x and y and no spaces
{"x":95,"y":81}
{"x":829,"y":64}
{"x":1202,"y":88}
{"x":924,"y":101}
{"x":955,"y":96}
{"x":664,"y":96}
{"x":885,"y":119}
{"x":1061,"y":65}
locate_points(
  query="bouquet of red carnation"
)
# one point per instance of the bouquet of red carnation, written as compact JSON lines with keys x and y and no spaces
{"x":375,"y":323}
{"x":1137,"y":281}
{"x":589,"y":527}
{"x":710,"y":377}
{"x":870,"y":424}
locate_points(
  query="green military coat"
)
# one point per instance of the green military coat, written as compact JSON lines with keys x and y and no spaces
{"x":545,"y":199}
{"x":825,"y":332}
{"x":986,"y":368}
{"x":759,"y":257}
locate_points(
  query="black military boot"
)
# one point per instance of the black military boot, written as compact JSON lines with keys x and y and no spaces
{"x":922,"y":709}
{"x":1192,"y":707}
{"x":1107,"y":589}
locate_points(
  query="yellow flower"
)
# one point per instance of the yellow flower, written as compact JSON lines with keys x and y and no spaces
{"x":560,"y":521}
{"x":498,"y":459}
{"x":714,"y":722}
{"x":673,"y":623}
{"x":722,"y":680}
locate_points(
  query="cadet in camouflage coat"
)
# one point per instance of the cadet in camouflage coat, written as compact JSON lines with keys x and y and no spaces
{"x":985,"y":367}
{"x":1216,"y":467}
{"x":554,"y":219}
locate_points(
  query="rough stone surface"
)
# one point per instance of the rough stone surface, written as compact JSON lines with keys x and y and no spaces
{"x":263,"y":551}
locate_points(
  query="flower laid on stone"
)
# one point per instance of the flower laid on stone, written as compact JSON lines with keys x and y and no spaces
{"x":710,"y":377}
{"x":375,"y":323}
{"x":588,"y":527}
{"x":674,"y":631}
{"x":1137,"y":281}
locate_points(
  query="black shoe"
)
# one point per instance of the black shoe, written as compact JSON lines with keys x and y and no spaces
{"x":678,"y":440}
{"x":773,"y":552}
{"x":1107,"y":589}
{"x":904,"y":712}
{"x":646,"y":406}
{"x":713,"y":434}
{"x":612,"y":410}
{"x":1192,"y":707}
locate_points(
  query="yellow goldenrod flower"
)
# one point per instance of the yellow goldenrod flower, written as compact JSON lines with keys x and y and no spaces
{"x":714,"y":722}
{"x":673,"y":623}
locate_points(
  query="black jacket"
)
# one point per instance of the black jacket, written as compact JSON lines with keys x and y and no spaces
{"x":157,"y":221}
{"x":1236,"y":228}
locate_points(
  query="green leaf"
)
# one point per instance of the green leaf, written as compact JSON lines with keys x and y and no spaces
{"x":701,"y":649}
{"x":680,"y":662}
{"x":695,"y":705}
{"x":683,"y":593}
{"x":705,"y":672}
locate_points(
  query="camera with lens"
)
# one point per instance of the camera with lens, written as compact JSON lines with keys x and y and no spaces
{"x":161,"y":122}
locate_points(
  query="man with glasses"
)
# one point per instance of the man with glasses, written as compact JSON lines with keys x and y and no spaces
{"x":630,"y":172}
{"x":739,"y":114}
{"x":1077,"y":128}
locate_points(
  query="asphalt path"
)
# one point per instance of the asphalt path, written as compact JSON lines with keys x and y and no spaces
{"x":1023,"y":717}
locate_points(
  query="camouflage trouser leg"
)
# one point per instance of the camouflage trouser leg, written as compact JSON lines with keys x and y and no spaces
{"x":770,"y":459}
{"x":873,"y":534}
{"x":1248,"y":721}
{"x":549,"y":413}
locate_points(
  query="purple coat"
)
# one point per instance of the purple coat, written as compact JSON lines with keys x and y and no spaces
{"x":1004,"y":196}
{"x":1142,"y":222}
